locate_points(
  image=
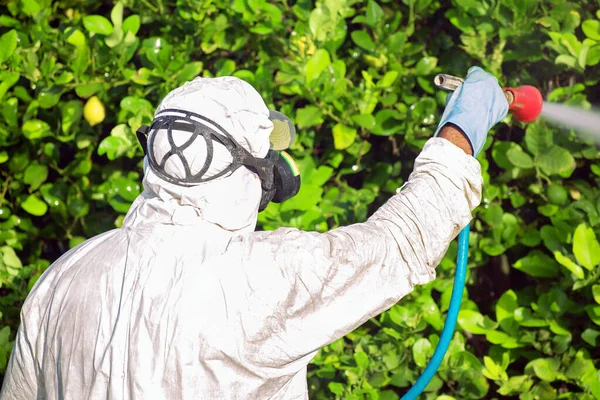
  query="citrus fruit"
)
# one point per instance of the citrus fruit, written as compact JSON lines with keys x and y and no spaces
{"x":94,"y":112}
{"x":557,"y":194}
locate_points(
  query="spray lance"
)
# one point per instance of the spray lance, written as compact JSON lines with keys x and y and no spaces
{"x":525,"y":104}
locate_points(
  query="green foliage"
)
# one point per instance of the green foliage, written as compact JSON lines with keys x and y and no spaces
{"x":356,"y":76}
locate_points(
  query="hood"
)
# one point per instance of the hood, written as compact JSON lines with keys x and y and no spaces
{"x":231,"y":201}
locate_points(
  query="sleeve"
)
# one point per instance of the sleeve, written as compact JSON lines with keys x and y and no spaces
{"x":21,"y":379}
{"x":314,"y":288}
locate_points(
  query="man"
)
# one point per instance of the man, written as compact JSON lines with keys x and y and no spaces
{"x":186,"y":301}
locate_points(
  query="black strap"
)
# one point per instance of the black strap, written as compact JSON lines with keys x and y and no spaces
{"x":142,"y":135}
{"x":240,"y":156}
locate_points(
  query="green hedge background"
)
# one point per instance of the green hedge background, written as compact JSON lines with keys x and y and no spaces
{"x":77,"y":77}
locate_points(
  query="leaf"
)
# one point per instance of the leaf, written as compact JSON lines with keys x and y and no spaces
{"x":499,"y":151}
{"x":366,"y":121}
{"x":582,"y":58}
{"x":76,"y":241}
{"x":387,"y":123}
{"x":31,"y":7}
{"x":319,"y":23}
{"x":388,"y":79}
{"x":79,"y":63}
{"x":362,"y":39}
{"x":83,"y":167}
{"x":132,"y":24}
{"x":596,"y":293}
{"x":49,"y":97}
{"x":492,"y":370}
{"x":590,"y":336}
{"x":10,"y":258}
{"x":10,"y":111}
{"x":556,"y":160}
{"x":570,"y":265}
{"x":308,"y":116}
{"x":136,"y":105}
{"x":53,"y":196}
{"x":97,"y":24}
{"x":71,"y":114}
{"x":85,"y":91}
{"x":374,"y":13}
{"x":336,"y":388}
{"x":593,"y":55}
{"x":519,"y":158}
{"x":190,"y":71}
{"x":75,"y":37}
{"x":8,"y":44}
{"x":503,"y":339}
{"x":426,"y":65}
{"x":421,"y":351}
{"x":115,"y":38}
{"x":491,"y":247}
{"x":370,"y":96}
{"x":580,"y":366}
{"x":537,"y":264}
{"x":538,"y":139}
{"x":424,"y":111}
{"x":567,"y":60}
{"x":343,"y":136}
{"x":493,"y":215}
{"x":572,"y":21}
{"x":472,"y":321}
{"x":571,"y":43}
{"x":548,"y":210}
{"x":362,"y":360}
{"x":593,"y":312}
{"x":77,"y":206}
{"x":591,"y":28}
{"x":506,"y":305}
{"x":544,"y":368}
{"x":36,"y":129}
{"x":142,"y":76}
{"x":516,"y":385}
{"x":473,"y":7}
{"x":548,"y":22}
{"x":35,"y":174}
{"x":316,"y":65}
{"x":7,"y":80}
{"x":116,"y":15}
{"x":586,"y":247}
{"x":34,"y":206}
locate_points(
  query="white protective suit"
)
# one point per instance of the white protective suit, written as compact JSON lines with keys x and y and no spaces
{"x":186,"y":301}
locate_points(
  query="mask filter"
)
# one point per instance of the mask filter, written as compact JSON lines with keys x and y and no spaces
{"x":286,"y":179}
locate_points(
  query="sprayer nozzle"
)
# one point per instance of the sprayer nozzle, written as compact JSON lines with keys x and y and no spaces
{"x":527,"y":103}
{"x":447,"y":82}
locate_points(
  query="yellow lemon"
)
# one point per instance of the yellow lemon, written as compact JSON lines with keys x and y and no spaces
{"x":93,"y":112}
{"x":575,"y":194}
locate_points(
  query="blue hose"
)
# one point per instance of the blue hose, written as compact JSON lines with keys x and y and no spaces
{"x":448,"y":331}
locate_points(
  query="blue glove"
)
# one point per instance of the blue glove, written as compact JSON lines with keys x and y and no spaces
{"x":475,"y":107}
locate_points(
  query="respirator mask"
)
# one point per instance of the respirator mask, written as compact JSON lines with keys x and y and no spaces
{"x":278,"y":173}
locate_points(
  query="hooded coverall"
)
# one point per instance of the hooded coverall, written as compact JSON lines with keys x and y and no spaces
{"x":186,"y":301}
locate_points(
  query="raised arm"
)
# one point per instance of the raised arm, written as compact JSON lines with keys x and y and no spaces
{"x":323,"y":286}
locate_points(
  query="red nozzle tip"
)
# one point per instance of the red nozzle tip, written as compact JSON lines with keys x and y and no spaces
{"x":527,"y":103}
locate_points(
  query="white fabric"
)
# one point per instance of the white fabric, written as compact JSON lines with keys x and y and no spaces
{"x":177,"y":305}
